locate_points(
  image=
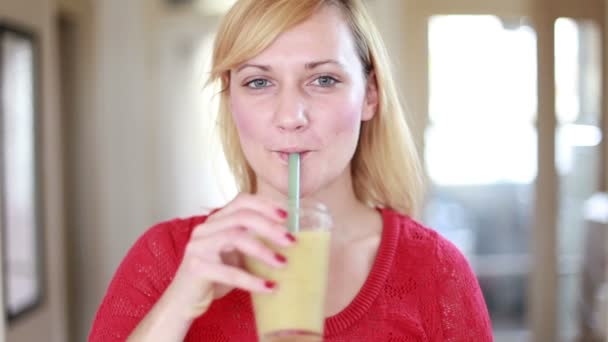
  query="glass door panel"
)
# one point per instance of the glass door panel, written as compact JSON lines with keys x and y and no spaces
{"x":580,"y":242}
{"x":481,"y":153}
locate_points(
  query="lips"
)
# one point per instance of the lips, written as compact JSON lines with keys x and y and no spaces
{"x":284,"y":154}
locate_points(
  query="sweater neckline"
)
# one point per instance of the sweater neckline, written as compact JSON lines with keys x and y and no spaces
{"x":374,"y":282}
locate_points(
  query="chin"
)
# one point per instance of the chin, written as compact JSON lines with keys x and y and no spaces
{"x":274,"y":179}
{"x":310,"y":188}
{"x":279,"y":184}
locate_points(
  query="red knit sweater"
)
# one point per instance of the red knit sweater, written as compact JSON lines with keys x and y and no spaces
{"x":420,"y":288}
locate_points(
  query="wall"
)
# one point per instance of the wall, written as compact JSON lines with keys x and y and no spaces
{"x":132,"y":144}
{"x":110,"y":139}
{"x":49,"y":322}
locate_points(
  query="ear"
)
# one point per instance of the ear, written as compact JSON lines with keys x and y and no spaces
{"x":370,"y":105}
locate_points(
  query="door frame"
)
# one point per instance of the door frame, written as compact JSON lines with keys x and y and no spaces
{"x":543,"y":294}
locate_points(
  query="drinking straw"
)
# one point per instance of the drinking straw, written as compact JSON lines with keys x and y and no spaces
{"x":294,"y":192}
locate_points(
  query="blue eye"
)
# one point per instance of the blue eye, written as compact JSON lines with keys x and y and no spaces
{"x":325,"y":81}
{"x":258,"y":83}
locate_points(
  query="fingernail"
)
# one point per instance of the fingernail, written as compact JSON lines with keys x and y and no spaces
{"x":280,"y":258}
{"x":290,"y":237}
{"x":270,"y":284}
{"x":282,"y":213}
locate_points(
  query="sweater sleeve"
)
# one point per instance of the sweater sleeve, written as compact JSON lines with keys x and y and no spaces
{"x":463,"y":313}
{"x":139,"y":281}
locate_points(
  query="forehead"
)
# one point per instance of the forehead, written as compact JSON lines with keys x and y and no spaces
{"x":325,"y":35}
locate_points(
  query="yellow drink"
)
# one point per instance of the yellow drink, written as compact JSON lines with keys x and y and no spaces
{"x":296,"y":309}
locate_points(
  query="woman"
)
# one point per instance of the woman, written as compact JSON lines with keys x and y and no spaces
{"x":312,"y":77}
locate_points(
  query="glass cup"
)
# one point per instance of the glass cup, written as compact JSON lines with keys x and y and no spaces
{"x":296,"y":310}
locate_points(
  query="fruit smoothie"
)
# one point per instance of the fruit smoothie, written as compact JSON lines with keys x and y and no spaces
{"x":295,"y":312}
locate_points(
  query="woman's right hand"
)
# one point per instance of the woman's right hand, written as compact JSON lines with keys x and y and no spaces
{"x":213,"y":262}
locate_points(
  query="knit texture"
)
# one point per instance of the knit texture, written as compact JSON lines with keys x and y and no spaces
{"x":420,"y":288}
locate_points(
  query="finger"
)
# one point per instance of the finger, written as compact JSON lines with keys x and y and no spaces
{"x":272,"y":209}
{"x":235,"y":240}
{"x":249,"y":220}
{"x":232,"y":276}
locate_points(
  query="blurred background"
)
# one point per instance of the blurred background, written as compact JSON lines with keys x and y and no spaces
{"x":506,"y":99}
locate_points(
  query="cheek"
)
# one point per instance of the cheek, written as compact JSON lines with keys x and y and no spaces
{"x":347,"y":109}
{"x":245,"y":123}
{"x":346,"y":120}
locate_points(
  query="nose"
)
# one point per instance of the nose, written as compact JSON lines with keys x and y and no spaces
{"x":291,"y":112}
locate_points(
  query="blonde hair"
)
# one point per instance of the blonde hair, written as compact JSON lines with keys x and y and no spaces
{"x":385,"y":167}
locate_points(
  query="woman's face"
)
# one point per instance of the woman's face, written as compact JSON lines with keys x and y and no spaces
{"x":305,"y":93}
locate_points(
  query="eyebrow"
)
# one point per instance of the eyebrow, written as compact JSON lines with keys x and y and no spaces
{"x":307,"y":66}
{"x":313,"y":65}
{"x":261,"y":67}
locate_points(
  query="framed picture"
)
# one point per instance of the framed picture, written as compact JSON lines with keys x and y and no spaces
{"x":19,"y":191}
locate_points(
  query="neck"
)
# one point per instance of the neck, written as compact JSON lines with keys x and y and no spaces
{"x":341,"y":200}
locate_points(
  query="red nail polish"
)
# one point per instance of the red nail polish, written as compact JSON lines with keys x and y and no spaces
{"x":280,"y":258}
{"x":270,"y":284}
{"x":290,"y":237}
{"x":282,"y":213}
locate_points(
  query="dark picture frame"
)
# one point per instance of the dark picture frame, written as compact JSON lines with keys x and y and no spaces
{"x":20,"y":218}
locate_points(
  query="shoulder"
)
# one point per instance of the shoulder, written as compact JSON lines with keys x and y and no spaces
{"x":419,"y":241}
{"x":176,"y":229}
{"x":459,"y":312}
{"x":167,"y":236}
